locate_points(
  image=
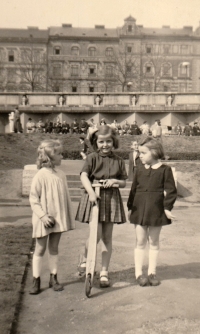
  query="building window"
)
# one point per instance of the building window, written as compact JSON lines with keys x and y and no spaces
{"x":57,"y":70}
{"x":92,"y":70}
{"x":91,"y":89}
{"x":165,"y":88}
{"x":92,"y":51}
{"x":74,"y":70}
{"x":148,"y":49}
{"x":74,"y":89}
{"x":109,"y":71}
{"x":57,"y":50}
{"x":166,"y":48}
{"x":175,"y":48}
{"x":130,"y":28}
{"x":11,"y":75}
{"x":75,"y":51}
{"x":109,"y":52}
{"x":148,"y":69}
{"x":129,"y":49}
{"x":166,"y":69}
{"x":11,"y":56}
{"x":184,"y":49}
{"x":182,"y":87}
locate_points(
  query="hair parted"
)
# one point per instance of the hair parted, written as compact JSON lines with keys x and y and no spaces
{"x":104,"y":130}
{"x":46,"y":152}
{"x":154,"y":146}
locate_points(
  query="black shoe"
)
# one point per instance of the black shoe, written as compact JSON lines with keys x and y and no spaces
{"x":53,"y":283}
{"x":36,"y":286}
{"x":142,"y":280}
{"x":153,"y":280}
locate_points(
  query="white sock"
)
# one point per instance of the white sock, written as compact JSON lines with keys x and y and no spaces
{"x":37,"y":265}
{"x":139,"y":260}
{"x":153,"y":258}
{"x":53,"y":264}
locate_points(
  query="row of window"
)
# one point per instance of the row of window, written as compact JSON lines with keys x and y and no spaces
{"x":92,"y":51}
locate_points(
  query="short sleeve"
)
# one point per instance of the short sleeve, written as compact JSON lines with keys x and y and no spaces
{"x":87,"y":167}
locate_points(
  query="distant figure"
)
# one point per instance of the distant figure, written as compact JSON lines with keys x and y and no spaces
{"x":187,"y":130}
{"x":156,"y":130}
{"x":115,"y":126}
{"x":196,"y":129}
{"x":134,"y":128}
{"x":102,"y":121}
{"x":83,"y":126}
{"x":48,"y":126}
{"x":85,"y":147}
{"x":169,"y":100}
{"x":126,"y":128}
{"x":17,"y":122}
{"x":65,"y":127}
{"x":61,"y":100}
{"x":134,"y":159}
{"x":30,"y":126}
{"x":11,"y":118}
{"x":24,"y":100}
{"x":40,"y":126}
{"x":178,"y":129}
{"x":75,"y":126}
{"x":145,"y":129}
{"x":98,"y":100}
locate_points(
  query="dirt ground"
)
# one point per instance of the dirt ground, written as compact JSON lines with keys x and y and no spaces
{"x":124,"y":308}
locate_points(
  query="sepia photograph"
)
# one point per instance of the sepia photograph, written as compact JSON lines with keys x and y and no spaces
{"x":100,"y":167}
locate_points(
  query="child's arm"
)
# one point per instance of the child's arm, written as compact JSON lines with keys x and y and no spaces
{"x":34,"y":199}
{"x":170,"y":191}
{"x":109,"y":183}
{"x":88,"y":187}
{"x":132,"y":192}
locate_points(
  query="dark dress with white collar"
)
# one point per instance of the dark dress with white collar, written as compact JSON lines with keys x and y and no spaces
{"x":147,"y":201}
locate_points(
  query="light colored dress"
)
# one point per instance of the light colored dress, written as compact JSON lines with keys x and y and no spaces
{"x":49,"y":194}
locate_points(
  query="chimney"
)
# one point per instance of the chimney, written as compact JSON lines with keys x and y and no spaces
{"x":66,"y":25}
{"x":99,"y":27}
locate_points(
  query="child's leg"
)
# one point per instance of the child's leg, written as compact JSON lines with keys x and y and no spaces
{"x":54,"y":239}
{"x":40,"y":248}
{"x":84,"y":250}
{"x":106,"y":250}
{"x":154,"y":234}
{"x":141,"y":241}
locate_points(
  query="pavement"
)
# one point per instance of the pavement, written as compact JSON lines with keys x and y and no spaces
{"x":124,"y":308}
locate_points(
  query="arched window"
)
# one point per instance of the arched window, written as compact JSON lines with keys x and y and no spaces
{"x":75,"y":50}
{"x":92,"y":51}
{"x":109,"y":52}
{"x":148,"y":69}
{"x":184,"y":69}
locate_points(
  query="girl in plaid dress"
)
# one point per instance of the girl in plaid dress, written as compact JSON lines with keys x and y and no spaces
{"x":102,"y":165}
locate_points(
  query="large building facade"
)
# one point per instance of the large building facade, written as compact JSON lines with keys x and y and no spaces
{"x":128,"y":58}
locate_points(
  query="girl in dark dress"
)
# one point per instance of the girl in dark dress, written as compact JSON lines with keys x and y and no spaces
{"x":102,"y":165}
{"x":150,"y":202}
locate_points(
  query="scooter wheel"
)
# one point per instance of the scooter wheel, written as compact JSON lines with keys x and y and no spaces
{"x":88,"y":285}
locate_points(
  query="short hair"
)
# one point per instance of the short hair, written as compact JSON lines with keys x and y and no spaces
{"x":104,"y":130}
{"x":154,"y":146}
{"x":46,"y":152}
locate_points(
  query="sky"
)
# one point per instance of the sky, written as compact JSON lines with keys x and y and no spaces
{"x":88,"y":13}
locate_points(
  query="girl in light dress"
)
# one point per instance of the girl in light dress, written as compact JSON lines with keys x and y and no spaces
{"x":51,"y":206}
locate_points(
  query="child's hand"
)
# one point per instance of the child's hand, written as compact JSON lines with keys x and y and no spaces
{"x":47,"y":221}
{"x":169,"y":215}
{"x":129,"y":215}
{"x":93,"y":198}
{"x":107,"y":183}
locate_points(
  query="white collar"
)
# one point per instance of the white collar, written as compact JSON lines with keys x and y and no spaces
{"x":156,"y":166}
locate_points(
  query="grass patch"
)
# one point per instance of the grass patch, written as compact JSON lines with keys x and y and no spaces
{"x":15,"y":245}
{"x":17,"y":150}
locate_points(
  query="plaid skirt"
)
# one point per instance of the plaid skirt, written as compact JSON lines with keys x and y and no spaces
{"x":111,"y":207}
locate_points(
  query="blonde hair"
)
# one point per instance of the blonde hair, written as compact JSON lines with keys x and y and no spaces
{"x":46,"y":152}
